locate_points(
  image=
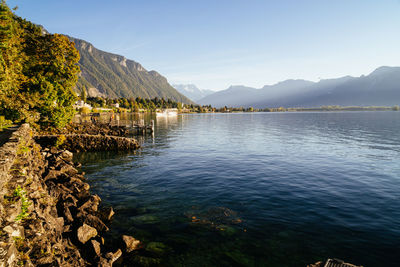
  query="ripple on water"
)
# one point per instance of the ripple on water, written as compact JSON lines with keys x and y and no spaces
{"x":271,"y":189}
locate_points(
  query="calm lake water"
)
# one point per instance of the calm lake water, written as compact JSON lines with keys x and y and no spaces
{"x":258,"y":189}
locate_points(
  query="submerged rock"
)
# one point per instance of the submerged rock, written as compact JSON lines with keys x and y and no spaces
{"x":157,"y":248}
{"x":220,"y":218}
{"x":145,"y":219}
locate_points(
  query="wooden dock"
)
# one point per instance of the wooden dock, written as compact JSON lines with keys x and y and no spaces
{"x":135,"y":127}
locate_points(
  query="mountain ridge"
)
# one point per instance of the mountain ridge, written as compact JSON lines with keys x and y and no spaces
{"x":191,"y":91}
{"x":111,"y":75}
{"x":380,"y":87}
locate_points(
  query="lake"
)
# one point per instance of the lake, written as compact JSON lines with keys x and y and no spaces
{"x":258,"y":189}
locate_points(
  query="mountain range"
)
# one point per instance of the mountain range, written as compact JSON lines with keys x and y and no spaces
{"x":192,"y":92}
{"x":379,"y":88}
{"x":110,"y":75}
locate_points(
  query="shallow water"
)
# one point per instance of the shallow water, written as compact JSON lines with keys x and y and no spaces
{"x":258,"y":189}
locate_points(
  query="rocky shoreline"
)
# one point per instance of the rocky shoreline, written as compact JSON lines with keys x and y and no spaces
{"x":47,"y":215}
{"x":79,"y":137}
{"x":88,"y":142}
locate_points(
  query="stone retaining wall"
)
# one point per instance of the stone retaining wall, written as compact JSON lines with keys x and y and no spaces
{"x":47,"y":215}
{"x":88,"y":142}
{"x":8,"y":152}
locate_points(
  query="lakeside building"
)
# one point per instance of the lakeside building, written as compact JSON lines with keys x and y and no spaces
{"x":81,"y":104}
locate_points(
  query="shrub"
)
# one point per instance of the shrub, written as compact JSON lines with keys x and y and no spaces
{"x":4,"y":123}
{"x":60,"y":140}
{"x":84,"y":110}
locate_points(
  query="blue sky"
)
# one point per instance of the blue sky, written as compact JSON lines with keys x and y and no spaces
{"x":215,"y":44}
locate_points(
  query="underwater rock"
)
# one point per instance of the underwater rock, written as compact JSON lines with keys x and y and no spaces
{"x":219,"y":218}
{"x":143,"y":261}
{"x":157,"y":248}
{"x":145,"y":219}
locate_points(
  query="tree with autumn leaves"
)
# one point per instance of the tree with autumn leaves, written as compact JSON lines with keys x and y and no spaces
{"x":38,"y":72}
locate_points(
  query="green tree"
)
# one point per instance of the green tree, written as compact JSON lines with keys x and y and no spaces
{"x":52,"y":71}
{"x":11,"y":60}
{"x":37,"y":72}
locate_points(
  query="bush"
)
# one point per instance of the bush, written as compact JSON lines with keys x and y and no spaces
{"x":60,"y":140}
{"x":4,"y":123}
{"x":84,"y":110}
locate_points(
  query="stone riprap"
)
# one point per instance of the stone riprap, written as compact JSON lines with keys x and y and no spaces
{"x":47,"y":214}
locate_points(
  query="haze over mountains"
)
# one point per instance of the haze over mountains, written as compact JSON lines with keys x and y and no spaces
{"x":110,"y":75}
{"x":192,"y":92}
{"x":380,"y":88}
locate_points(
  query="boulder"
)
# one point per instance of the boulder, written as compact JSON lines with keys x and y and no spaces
{"x":317,"y":264}
{"x":67,"y":155}
{"x":112,"y":257}
{"x":96,"y":223}
{"x":85,"y":233}
{"x":96,"y":247}
{"x":130,"y":243}
{"x":107,"y":213}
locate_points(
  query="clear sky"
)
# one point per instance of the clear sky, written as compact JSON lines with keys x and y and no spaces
{"x":218,"y":43}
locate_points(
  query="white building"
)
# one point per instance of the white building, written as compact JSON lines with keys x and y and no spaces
{"x":80,"y":104}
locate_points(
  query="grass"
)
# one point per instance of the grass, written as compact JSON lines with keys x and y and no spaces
{"x":20,"y":193}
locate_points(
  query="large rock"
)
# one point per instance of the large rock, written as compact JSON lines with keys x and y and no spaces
{"x":96,"y":223}
{"x":112,"y":257}
{"x":96,"y":247}
{"x":66,"y":155}
{"x":107,"y":213}
{"x":130,"y":243}
{"x":85,"y":233}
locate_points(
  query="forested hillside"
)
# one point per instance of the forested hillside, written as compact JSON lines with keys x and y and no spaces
{"x":110,"y":75}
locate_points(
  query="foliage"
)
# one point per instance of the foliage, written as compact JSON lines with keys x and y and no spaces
{"x":20,"y":193}
{"x":22,"y":150}
{"x":84,"y":110}
{"x":60,"y":140}
{"x":135,"y":104}
{"x":4,"y":123}
{"x":38,"y":72}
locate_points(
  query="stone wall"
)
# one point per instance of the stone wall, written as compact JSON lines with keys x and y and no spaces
{"x":89,"y":142}
{"x":8,"y":152}
{"x":47,"y":215}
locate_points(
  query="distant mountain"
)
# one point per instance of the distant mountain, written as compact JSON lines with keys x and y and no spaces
{"x":242,"y":96}
{"x":191,"y":91}
{"x":111,"y":75}
{"x":380,"y":88}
